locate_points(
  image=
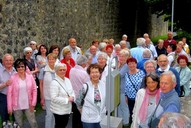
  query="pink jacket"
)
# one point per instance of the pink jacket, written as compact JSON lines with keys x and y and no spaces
{"x":12,"y":95}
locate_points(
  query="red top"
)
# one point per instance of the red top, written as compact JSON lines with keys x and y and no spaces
{"x":167,"y":42}
{"x":69,"y":66}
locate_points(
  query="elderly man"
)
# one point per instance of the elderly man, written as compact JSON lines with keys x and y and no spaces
{"x":146,"y":56}
{"x":78,"y":77}
{"x":5,"y":73}
{"x":169,"y":100}
{"x":75,"y":51}
{"x":137,"y":52}
{"x":164,"y":66}
{"x":169,"y":40}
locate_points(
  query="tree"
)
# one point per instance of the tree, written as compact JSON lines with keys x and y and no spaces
{"x":181,"y":12}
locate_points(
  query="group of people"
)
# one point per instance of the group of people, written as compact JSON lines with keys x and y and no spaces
{"x":60,"y":79}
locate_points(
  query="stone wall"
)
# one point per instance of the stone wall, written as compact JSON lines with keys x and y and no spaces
{"x":55,"y":21}
{"x":158,"y":26}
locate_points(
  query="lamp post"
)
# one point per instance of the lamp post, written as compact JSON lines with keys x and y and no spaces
{"x":172,"y":16}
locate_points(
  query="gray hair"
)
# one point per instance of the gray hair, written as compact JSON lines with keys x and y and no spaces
{"x":122,"y":42}
{"x":150,"y":61}
{"x":102,"y":54}
{"x":102,"y":45}
{"x":124,"y":52}
{"x":81,"y":59}
{"x":175,"y":120}
{"x":140,"y":42}
{"x":169,"y":73}
{"x":59,"y":65}
{"x":117,"y":46}
{"x":146,"y":53}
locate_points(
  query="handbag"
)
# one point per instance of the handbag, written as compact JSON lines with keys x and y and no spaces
{"x":84,"y":95}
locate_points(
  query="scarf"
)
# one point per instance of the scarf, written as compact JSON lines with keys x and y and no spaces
{"x":144,"y":105}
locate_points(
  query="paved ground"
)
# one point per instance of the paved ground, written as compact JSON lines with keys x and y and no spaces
{"x":40,"y":117}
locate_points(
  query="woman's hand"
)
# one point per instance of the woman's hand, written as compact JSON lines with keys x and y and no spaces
{"x":71,"y":99}
{"x":31,"y":108}
{"x":126,"y":99}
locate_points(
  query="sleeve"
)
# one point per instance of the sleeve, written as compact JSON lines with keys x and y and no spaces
{"x":177,"y":88}
{"x":135,"y":111}
{"x":33,"y":91}
{"x":185,"y":78}
{"x":172,"y":108}
{"x":41,"y":74}
{"x":9,"y":97}
{"x":80,"y":97}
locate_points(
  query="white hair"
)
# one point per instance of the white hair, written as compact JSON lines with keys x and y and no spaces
{"x":59,"y":65}
{"x":102,"y":54}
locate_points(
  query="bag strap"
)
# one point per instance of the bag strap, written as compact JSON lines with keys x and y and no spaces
{"x":132,"y":82}
{"x":62,"y":87}
{"x":152,"y":116}
{"x":86,"y":91}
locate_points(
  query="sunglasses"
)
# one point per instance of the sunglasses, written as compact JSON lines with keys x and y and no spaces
{"x":32,"y":44}
{"x":20,"y":66}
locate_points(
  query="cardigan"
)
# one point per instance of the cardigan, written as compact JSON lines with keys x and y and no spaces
{"x":90,"y":112}
{"x":60,"y":90}
{"x":13,"y":92}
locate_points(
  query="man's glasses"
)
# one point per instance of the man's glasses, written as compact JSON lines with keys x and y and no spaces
{"x":28,"y":52}
{"x":32,"y":44}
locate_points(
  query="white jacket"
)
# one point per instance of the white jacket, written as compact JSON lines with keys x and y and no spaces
{"x":90,"y":112}
{"x":59,"y":96}
{"x":138,"y":102}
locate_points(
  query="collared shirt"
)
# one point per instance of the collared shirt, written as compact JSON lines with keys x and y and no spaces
{"x":4,"y":76}
{"x":137,"y":53}
{"x":78,"y":77}
{"x":74,"y":52}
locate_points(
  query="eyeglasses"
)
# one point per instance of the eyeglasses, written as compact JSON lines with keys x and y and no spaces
{"x":20,"y":66}
{"x":32,"y":44}
{"x":28,"y":52}
{"x":62,"y":69}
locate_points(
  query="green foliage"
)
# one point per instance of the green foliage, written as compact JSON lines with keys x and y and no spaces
{"x":155,"y":39}
{"x":181,"y":12}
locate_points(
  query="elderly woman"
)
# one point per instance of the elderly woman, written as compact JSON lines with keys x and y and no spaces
{"x":93,"y":109}
{"x":123,"y":109}
{"x":22,"y":94}
{"x":31,"y":65}
{"x":133,"y":80}
{"x":146,"y":101}
{"x":33,"y":45}
{"x":62,"y":96}
{"x":70,"y":63}
{"x":47,"y":74}
{"x":185,"y":75}
{"x":102,"y":62}
{"x":149,"y":66}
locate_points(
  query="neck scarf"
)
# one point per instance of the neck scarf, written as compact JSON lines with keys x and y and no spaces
{"x":144,"y":105}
